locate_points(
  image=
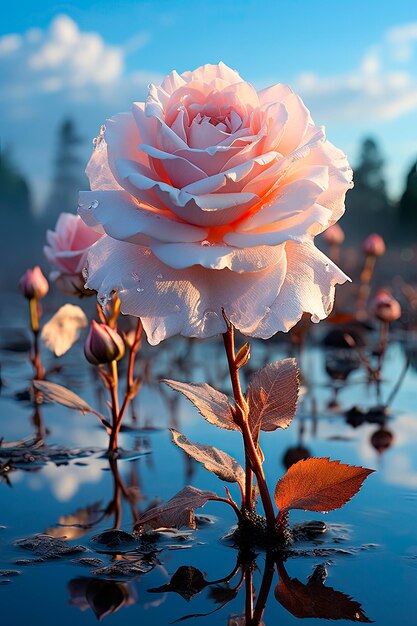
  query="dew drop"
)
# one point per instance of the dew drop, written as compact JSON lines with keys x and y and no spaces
{"x":147,"y":252}
{"x":205,"y":244}
{"x":210,"y":315}
{"x":259,"y":264}
{"x":140,"y":289}
{"x":315,"y":318}
{"x":94,"y":204}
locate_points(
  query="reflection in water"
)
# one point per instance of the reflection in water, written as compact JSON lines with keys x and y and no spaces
{"x":311,"y":600}
{"x":102,"y":596}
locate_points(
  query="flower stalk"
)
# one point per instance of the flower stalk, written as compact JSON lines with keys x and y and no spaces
{"x":241,"y":414}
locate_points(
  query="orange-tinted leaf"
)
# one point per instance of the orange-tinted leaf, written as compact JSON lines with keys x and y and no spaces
{"x":272,"y":396}
{"x":178,"y":511}
{"x":214,"y":460}
{"x":316,"y":600}
{"x":211,"y":404}
{"x":318,"y":485}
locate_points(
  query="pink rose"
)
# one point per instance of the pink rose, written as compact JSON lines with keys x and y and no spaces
{"x":210,"y":195}
{"x":67,"y":252}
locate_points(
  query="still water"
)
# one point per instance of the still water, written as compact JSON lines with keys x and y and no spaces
{"x":369,"y":552}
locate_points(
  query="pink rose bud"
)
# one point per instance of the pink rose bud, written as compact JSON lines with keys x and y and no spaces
{"x":374,"y":245}
{"x":334,"y":235}
{"x":385,"y":307}
{"x":103,"y":344}
{"x":33,"y":284}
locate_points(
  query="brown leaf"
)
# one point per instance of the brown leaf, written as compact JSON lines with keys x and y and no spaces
{"x":213,"y":459}
{"x":178,"y":511}
{"x":316,"y":600}
{"x":272,"y":396}
{"x":318,"y":485}
{"x":211,"y":404}
{"x":62,"y":395}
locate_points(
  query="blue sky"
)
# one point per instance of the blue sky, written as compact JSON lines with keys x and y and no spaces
{"x":354,"y":64}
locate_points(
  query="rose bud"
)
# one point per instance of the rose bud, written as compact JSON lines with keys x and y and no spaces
{"x":385,"y":307}
{"x":33,"y":284}
{"x":374,"y":245}
{"x":103,"y":344}
{"x":334,"y":235}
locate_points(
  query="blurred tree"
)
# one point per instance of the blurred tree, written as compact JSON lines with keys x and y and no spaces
{"x":68,"y":174}
{"x":15,"y":194}
{"x":368,"y":199}
{"x":408,"y":202}
{"x":19,"y":232}
{"x":369,"y":174}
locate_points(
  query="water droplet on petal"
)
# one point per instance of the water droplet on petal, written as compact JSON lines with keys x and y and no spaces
{"x":94,"y":204}
{"x":315,"y":318}
{"x":205,"y":243}
{"x":140,"y":289}
{"x":259,"y":264}
{"x":147,"y":252}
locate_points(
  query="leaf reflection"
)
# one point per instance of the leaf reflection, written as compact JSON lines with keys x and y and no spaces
{"x":102,"y":596}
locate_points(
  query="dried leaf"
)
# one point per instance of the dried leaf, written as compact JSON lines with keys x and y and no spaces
{"x":63,"y":329}
{"x":213,"y":459}
{"x":178,"y":511}
{"x":272,"y":396}
{"x":242,"y":356}
{"x":318,"y":485}
{"x":62,"y":395}
{"x":211,"y":404}
{"x":317,"y":600}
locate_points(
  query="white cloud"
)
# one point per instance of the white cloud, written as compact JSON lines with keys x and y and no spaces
{"x":382,"y":87}
{"x":46,"y":75}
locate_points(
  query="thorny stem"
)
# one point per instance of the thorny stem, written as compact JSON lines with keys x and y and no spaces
{"x":240,"y":403}
{"x":241,"y":418}
{"x":114,"y":382}
{"x":230,"y":502}
{"x":36,"y":355}
{"x":130,"y":392}
{"x":131,"y":389}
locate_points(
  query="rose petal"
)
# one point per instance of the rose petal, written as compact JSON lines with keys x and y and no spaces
{"x":309,"y":287}
{"x":187,"y":302}
{"x":124,"y":219}
{"x":218,"y":257}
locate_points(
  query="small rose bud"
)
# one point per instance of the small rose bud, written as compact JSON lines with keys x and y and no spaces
{"x":374,"y":245}
{"x":385,"y":307}
{"x":33,"y":284}
{"x":103,"y":344}
{"x":334,"y":235}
